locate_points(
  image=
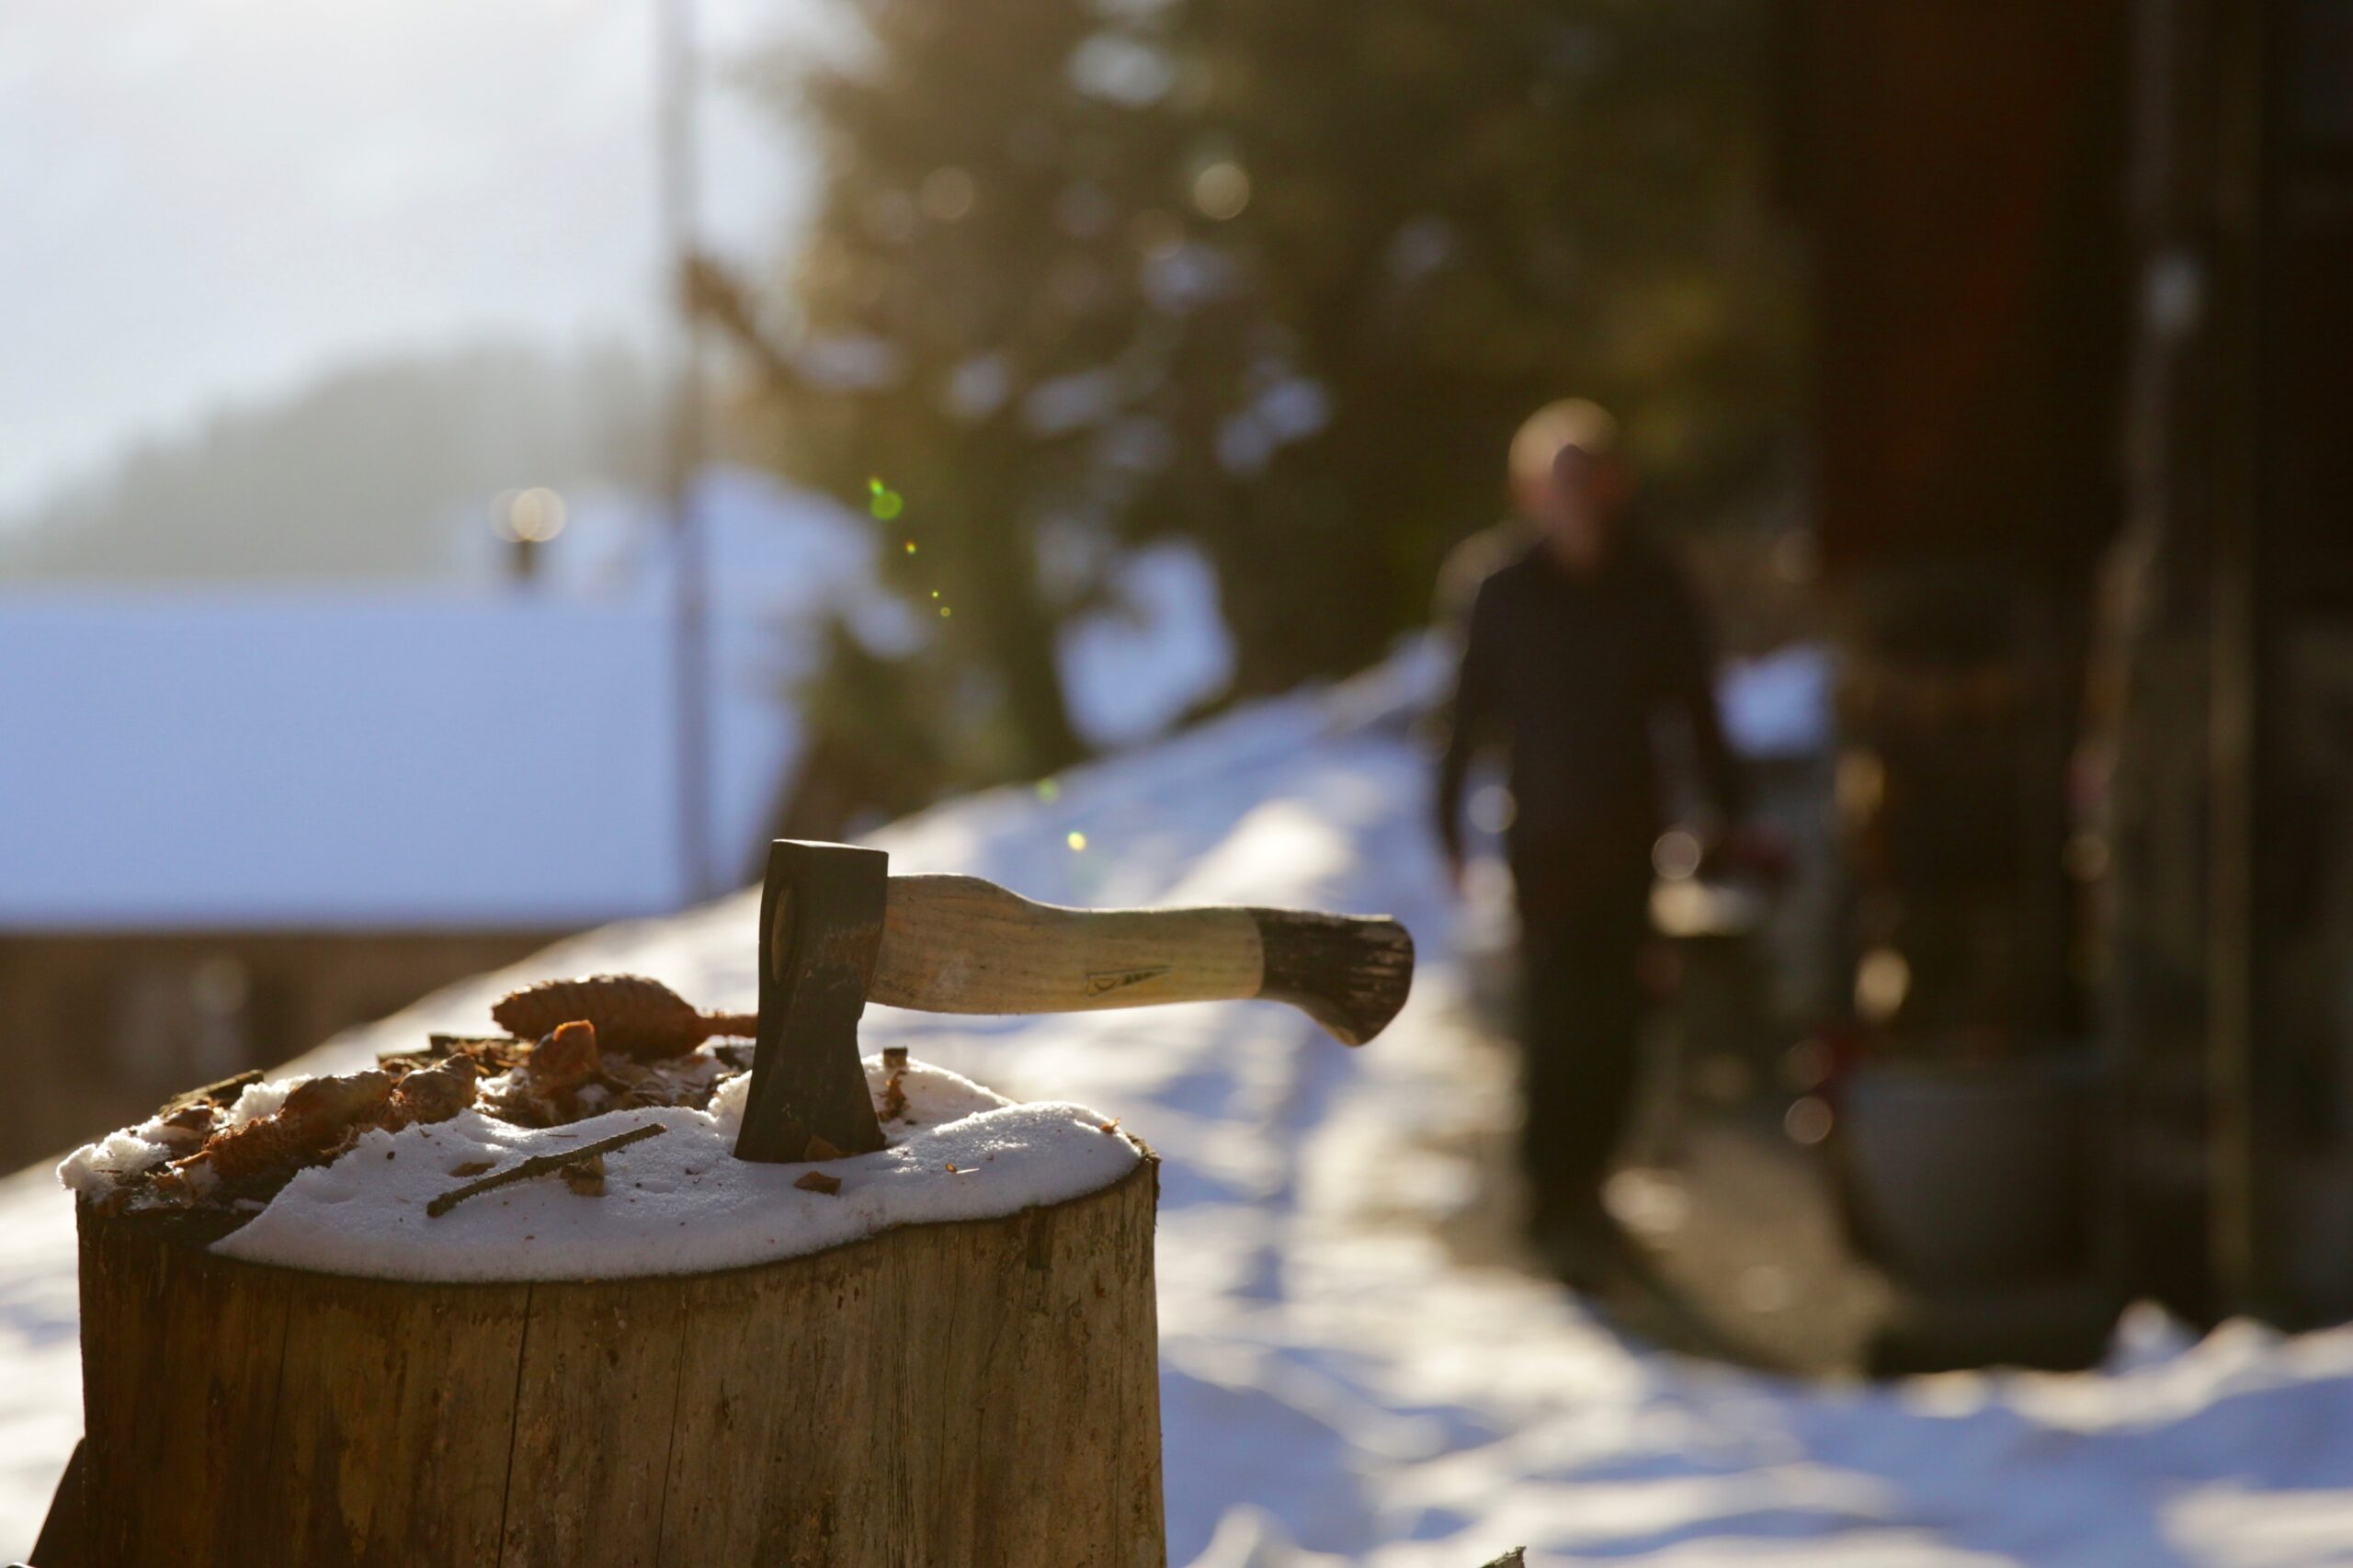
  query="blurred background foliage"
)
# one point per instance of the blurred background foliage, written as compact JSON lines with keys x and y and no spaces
{"x":1274,"y":279}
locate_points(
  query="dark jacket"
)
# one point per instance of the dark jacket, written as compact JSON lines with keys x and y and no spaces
{"x":1567,"y":672}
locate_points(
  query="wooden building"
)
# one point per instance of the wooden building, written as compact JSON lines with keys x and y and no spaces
{"x":2232,"y":927}
{"x":2084,"y":442}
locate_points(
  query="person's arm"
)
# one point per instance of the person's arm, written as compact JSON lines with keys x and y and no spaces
{"x":1476,"y":689}
{"x":1693,"y":691}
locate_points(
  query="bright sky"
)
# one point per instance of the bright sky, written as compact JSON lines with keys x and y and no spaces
{"x":212,"y":200}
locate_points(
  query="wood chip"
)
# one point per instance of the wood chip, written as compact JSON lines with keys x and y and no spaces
{"x":566,"y":1059}
{"x":539,"y":1165}
{"x":819,"y":1149}
{"x":222,"y":1093}
{"x":444,"y":1043}
{"x":819,"y":1181}
{"x":502,"y":1049}
{"x":585,"y":1177}
{"x":895,"y":1089}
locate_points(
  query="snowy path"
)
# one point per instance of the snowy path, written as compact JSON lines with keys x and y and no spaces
{"x":1328,"y":1378}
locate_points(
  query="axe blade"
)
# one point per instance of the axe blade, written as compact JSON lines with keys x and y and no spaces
{"x":820,"y":926}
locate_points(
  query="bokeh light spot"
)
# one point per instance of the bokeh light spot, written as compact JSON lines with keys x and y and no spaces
{"x":1882,"y":980}
{"x":1222,"y":191}
{"x":947,"y":194}
{"x":1807,"y":1122}
{"x":1676,"y":855}
{"x":533,"y":516}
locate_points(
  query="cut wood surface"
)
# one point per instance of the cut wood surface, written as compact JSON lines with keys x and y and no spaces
{"x":983,"y":1393}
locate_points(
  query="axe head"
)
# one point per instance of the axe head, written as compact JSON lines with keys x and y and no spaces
{"x":820,"y":926}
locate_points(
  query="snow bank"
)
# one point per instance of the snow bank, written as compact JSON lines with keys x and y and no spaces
{"x":1132,"y":669}
{"x":676,"y":1203}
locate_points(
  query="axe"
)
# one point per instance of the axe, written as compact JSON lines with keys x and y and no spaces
{"x":838,"y":930}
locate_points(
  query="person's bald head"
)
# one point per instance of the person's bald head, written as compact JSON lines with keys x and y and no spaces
{"x":1567,"y":477}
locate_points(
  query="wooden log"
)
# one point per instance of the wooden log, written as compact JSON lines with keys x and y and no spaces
{"x":980,"y":1392}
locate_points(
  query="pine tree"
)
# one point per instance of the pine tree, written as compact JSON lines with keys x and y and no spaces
{"x":966,"y":309}
{"x":1436,"y":215}
{"x":1276,"y":275}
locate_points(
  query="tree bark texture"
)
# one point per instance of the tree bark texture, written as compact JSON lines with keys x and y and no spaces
{"x":983,"y":1393}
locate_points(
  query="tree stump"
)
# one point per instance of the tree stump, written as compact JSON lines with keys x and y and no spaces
{"x":975,"y":1392}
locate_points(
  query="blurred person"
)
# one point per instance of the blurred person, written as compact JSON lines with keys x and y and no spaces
{"x":1579,"y":634}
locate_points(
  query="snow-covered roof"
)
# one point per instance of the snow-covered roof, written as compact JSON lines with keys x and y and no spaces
{"x":1330,"y":1374}
{"x":474,"y":756}
{"x":478,"y":755}
{"x":339,"y":759}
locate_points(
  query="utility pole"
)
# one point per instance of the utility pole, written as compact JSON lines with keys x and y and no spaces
{"x":674,"y":101}
{"x":2235,"y":1239}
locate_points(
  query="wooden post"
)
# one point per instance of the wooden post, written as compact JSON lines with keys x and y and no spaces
{"x":981,"y":1392}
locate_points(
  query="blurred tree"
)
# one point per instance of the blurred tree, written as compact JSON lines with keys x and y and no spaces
{"x":961,"y":325}
{"x":1450,"y":211}
{"x":853,"y":768}
{"x":1277,"y":276}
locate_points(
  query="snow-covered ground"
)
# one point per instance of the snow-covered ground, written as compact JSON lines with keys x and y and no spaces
{"x":1335,"y":1389}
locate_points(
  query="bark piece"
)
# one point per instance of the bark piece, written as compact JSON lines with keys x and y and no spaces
{"x":315,"y":1119}
{"x":223,"y":1094}
{"x":434,"y":1093}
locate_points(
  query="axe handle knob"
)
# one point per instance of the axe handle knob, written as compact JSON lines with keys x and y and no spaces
{"x":962,"y":945}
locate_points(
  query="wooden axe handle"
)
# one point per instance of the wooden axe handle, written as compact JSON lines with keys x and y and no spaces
{"x":962,"y":945}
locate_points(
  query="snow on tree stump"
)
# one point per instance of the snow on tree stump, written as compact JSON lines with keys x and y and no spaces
{"x":942,"y":1391}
